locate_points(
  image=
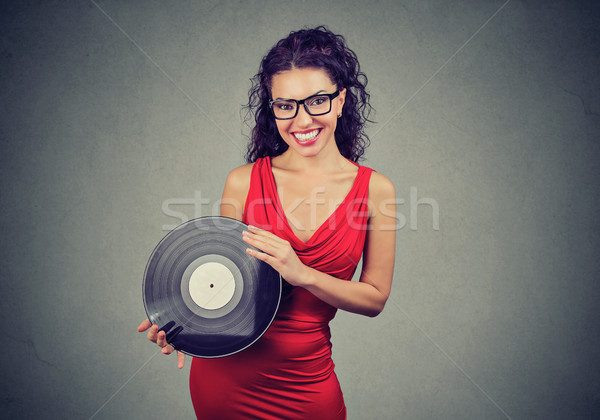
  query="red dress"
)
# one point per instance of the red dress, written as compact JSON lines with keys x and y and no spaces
{"x":288,"y":373}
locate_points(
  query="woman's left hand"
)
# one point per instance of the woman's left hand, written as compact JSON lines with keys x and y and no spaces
{"x":278,"y":253}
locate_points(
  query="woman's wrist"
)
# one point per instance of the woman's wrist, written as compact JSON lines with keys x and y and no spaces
{"x":307,"y":278}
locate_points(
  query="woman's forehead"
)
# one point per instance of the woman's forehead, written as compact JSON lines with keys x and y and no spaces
{"x":300,"y":83}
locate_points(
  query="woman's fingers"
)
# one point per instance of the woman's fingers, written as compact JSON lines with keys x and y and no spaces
{"x":180,"y":359}
{"x":264,"y":235}
{"x":267,"y":244}
{"x":152,"y":333}
{"x":272,"y":246}
{"x":168,"y":349}
{"x":276,"y":252}
{"x":268,"y":251}
{"x":144,"y":325}
{"x":260,"y":255}
{"x":160,"y":338}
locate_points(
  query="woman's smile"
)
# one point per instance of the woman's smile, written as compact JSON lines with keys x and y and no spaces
{"x":306,"y":138}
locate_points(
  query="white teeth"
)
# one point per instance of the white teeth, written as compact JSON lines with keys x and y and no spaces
{"x":307,"y":136}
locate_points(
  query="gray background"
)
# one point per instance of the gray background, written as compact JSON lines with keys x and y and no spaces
{"x":116,"y":115}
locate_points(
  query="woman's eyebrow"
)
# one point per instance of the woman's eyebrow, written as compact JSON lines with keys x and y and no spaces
{"x":316,"y":93}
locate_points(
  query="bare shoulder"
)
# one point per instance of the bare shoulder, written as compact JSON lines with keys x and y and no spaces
{"x":380,"y":187}
{"x":239,"y":178}
{"x":235,"y":191}
{"x":381,"y":193}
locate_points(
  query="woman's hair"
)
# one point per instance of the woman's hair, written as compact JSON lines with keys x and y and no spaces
{"x":310,"y":48}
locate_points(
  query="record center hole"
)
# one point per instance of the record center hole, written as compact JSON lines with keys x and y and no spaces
{"x":212,"y":285}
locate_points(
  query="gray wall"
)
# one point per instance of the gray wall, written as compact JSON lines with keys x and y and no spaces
{"x":111,"y":111}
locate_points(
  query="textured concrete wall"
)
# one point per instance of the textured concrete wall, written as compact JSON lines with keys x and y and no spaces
{"x":487,"y":112}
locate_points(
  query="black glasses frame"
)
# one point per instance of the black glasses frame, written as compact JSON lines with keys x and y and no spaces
{"x":331,"y":96}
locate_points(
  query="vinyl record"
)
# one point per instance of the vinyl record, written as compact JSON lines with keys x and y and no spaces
{"x":201,"y":287}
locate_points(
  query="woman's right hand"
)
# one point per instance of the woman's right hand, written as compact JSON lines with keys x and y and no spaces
{"x":160,"y":338}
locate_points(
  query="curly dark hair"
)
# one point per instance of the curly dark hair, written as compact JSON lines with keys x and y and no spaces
{"x":310,"y":48}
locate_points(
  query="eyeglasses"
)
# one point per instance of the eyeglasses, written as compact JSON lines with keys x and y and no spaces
{"x":286,"y":109}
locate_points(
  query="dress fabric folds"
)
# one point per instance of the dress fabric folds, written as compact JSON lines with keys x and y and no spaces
{"x":288,"y":373}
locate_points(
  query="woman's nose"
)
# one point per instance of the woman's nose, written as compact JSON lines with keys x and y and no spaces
{"x":303,"y":117}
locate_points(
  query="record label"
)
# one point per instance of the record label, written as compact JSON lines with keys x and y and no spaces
{"x":211,"y":285}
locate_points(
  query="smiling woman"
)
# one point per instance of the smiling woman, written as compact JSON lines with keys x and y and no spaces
{"x":308,"y":133}
{"x":312,"y":212}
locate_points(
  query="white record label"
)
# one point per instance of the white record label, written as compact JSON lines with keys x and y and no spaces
{"x":212,"y":285}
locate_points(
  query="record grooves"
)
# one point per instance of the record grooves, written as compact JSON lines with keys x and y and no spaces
{"x":209,"y":296}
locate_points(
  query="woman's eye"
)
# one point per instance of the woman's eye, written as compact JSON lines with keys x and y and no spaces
{"x":318,"y":101}
{"x":284,"y":106}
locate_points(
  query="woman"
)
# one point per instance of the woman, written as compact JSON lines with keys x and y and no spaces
{"x":313,"y":212}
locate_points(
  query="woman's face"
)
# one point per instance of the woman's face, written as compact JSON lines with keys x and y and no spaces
{"x":306,"y":134}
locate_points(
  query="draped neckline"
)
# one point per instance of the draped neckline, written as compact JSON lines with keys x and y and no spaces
{"x":327,"y":221}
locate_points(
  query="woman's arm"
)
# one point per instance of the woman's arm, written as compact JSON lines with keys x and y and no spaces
{"x":368,"y":296}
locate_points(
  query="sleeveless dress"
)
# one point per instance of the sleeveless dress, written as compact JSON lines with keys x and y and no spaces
{"x":288,"y":373}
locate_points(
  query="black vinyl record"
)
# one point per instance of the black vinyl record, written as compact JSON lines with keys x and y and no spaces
{"x":201,"y":287}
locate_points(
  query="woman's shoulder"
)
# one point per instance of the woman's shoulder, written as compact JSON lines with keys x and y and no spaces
{"x":380,"y":187}
{"x":239,"y":178}
{"x":235,"y":191}
{"x":381,"y":193}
